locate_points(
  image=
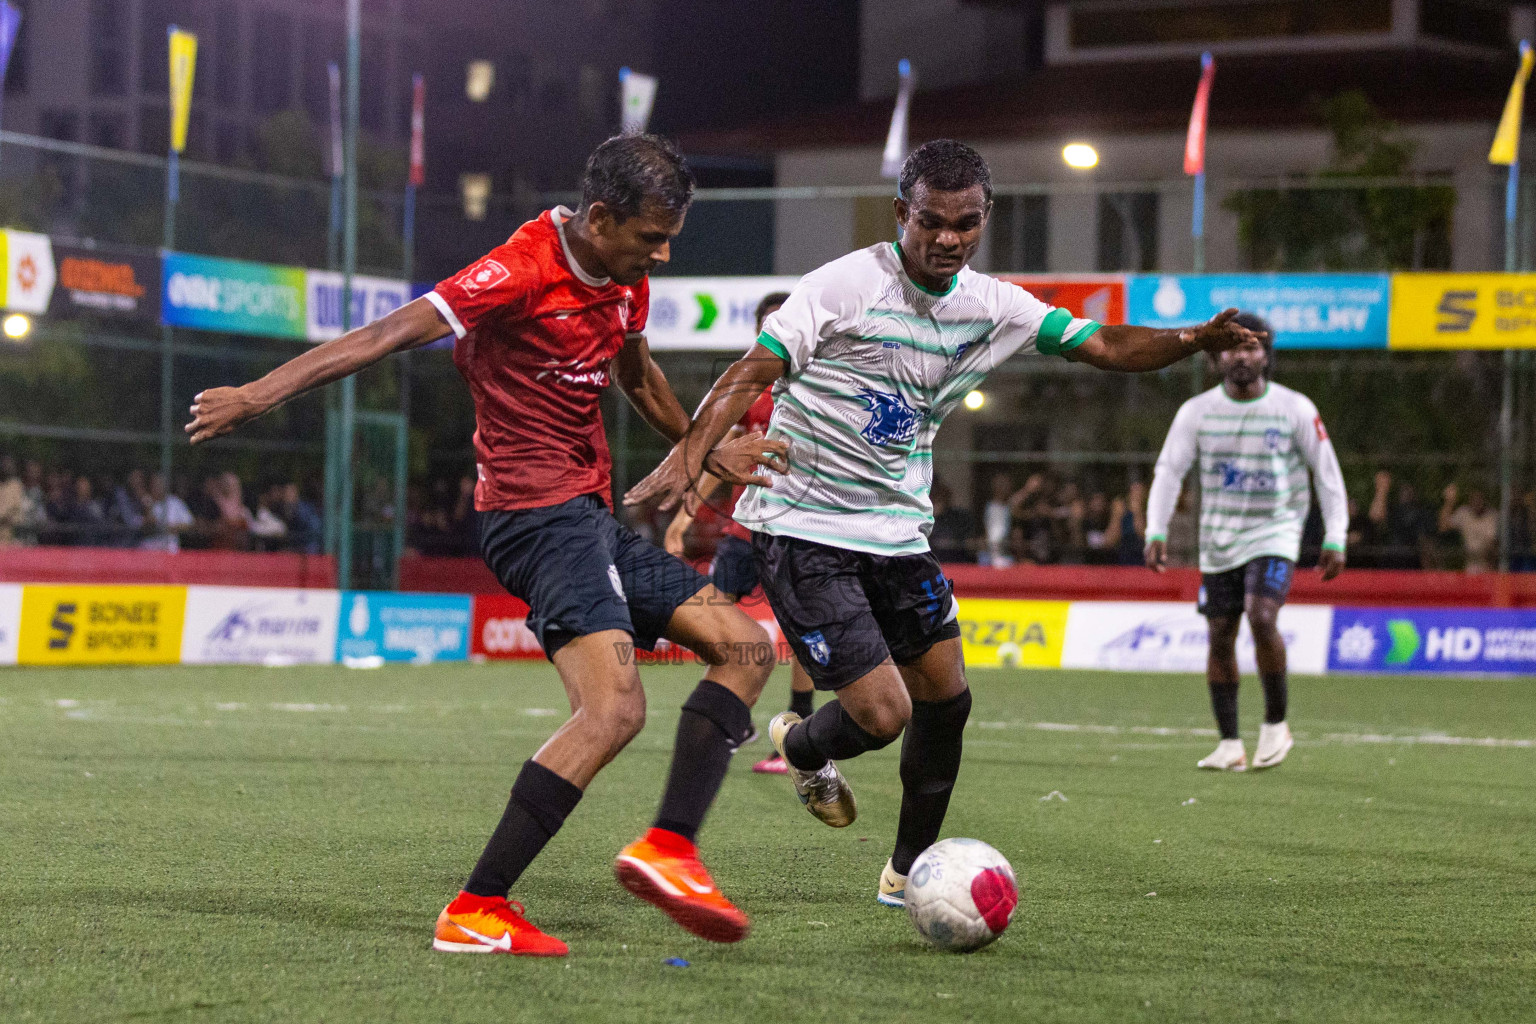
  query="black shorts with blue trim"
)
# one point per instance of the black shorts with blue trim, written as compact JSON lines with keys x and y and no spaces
{"x":734,"y":572}
{"x":844,"y":613}
{"x":1223,"y":594}
{"x":581,"y":571}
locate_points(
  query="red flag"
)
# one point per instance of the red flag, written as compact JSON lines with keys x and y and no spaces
{"x":418,"y":131}
{"x":1194,"y":143}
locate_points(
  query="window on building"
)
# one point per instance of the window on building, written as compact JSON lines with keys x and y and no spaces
{"x":1230,"y":20}
{"x":107,"y":129}
{"x":1020,"y":233}
{"x":479,"y":80}
{"x":109,"y":47}
{"x":226,"y":55}
{"x":272,"y":63}
{"x":475,"y":192}
{"x":1465,"y":21}
{"x":16,"y":71}
{"x":1128,"y":231}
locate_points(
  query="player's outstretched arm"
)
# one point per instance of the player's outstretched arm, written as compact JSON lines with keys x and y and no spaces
{"x":734,"y":463}
{"x":1132,"y":349}
{"x":646,"y":387}
{"x":218,"y":411}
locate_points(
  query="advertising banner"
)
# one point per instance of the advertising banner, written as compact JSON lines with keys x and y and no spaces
{"x":259,"y":626}
{"x":1172,"y":637}
{"x":372,"y":298}
{"x":708,"y":312}
{"x":10,"y":621}
{"x":1098,"y":297}
{"x":88,"y":625}
{"x":211,"y":294}
{"x":29,"y":276}
{"x":1026,"y":634}
{"x":1306,"y":310}
{"x":418,"y":628}
{"x":1454,"y":311}
{"x":501,"y":630}
{"x":105,"y":282}
{"x":1444,"y":640}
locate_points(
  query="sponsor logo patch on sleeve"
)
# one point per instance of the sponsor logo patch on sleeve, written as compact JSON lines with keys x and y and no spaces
{"x":1322,"y":431}
{"x":488,"y":273}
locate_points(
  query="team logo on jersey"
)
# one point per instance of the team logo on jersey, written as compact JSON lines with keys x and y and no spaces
{"x":488,"y":273}
{"x":818,"y":648}
{"x":1247,"y":481}
{"x":1317,"y":424}
{"x":618,"y":584}
{"x":891,"y":419}
{"x":1273,"y":439}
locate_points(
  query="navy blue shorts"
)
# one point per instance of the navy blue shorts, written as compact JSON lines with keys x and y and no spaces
{"x":581,"y":571}
{"x":1222,"y":594}
{"x":845,"y":613}
{"x":735,"y":570}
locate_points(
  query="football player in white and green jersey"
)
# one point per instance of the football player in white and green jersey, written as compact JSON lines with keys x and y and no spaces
{"x":865,"y":358}
{"x":1255,"y":441}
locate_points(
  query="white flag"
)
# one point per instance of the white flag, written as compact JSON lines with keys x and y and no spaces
{"x":896,"y":140}
{"x":637,"y":93}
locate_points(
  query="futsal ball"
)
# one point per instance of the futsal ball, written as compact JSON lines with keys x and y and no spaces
{"x":961,"y":894}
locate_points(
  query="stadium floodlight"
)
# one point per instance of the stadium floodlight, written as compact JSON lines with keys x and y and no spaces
{"x":975,"y":400}
{"x":1080,"y":155}
{"x":17,"y":326}
{"x":479,"y":80}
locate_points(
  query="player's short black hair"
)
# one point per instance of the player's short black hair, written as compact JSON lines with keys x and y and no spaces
{"x":769,"y":303}
{"x":945,"y":165}
{"x":631,"y":171}
{"x":1266,"y":333}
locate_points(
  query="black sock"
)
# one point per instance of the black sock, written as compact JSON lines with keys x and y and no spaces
{"x":830,"y":734}
{"x":1224,"y":703}
{"x":540,"y":803}
{"x":714,"y":723}
{"x":930,"y":762}
{"x":1275,"y":696}
{"x":800,"y":703}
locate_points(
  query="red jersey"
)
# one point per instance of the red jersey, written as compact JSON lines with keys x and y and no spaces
{"x":757,"y":418}
{"x":535,"y":334}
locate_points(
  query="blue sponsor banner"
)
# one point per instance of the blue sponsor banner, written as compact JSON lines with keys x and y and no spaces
{"x":232,"y":295}
{"x":1433,"y":640}
{"x":418,"y":628}
{"x":1343,"y":311}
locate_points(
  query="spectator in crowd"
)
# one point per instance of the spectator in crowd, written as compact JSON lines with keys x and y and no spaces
{"x":1478,"y":525}
{"x":998,"y":521}
{"x":268,"y":531}
{"x":167,"y":518}
{"x":79,"y":513}
{"x":1132,"y":516}
{"x":1398,"y":529}
{"x":1032,"y":537}
{"x":953,"y":527}
{"x":14,"y":505}
{"x":1068,"y":534}
{"x":1522,"y":533}
{"x":127,"y":508}
{"x":223,"y":520}
{"x":301,"y":520}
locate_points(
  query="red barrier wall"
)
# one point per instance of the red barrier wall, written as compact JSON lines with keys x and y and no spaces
{"x":1103,"y":583}
{"x":128,"y":565}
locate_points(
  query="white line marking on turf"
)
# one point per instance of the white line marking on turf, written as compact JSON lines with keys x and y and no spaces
{"x":231,"y":705}
{"x":308,"y":707}
{"x":1431,"y":739}
{"x":540,"y":712}
{"x":66,"y":702}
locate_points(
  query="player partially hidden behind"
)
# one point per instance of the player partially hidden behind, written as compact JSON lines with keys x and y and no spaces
{"x":541,"y":323}
{"x":866,"y":357}
{"x":1255,"y":441}
{"x":735,"y":569}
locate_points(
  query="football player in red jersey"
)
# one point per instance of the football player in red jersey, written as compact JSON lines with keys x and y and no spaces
{"x":540,"y":324}
{"x":734,"y":571}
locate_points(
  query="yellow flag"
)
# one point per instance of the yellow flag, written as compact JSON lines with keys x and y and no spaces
{"x":1506,"y":142}
{"x":183,"y":63}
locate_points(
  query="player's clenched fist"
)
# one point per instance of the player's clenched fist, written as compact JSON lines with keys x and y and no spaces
{"x":218,"y":411}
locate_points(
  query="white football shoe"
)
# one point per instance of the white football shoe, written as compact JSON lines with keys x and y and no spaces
{"x":1274,"y":743}
{"x":893,"y":887}
{"x":1229,"y":756}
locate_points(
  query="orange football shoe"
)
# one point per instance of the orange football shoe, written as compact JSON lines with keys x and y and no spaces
{"x":491,"y":924}
{"x":663,"y":868}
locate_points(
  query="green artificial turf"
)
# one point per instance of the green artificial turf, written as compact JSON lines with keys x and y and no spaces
{"x":239,"y":844}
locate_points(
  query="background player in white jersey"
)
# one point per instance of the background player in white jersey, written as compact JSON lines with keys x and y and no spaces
{"x":1255,"y":441}
{"x":865,"y":357}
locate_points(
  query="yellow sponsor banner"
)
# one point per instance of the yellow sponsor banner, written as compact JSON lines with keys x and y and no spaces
{"x":1454,"y":311}
{"x":84,"y":625}
{"x":183,"y":64}
{"x":1028,"y":634}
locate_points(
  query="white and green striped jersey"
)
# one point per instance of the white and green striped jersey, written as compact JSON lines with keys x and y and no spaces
{"x":875,"y":363}
{"x":1254,"y":456}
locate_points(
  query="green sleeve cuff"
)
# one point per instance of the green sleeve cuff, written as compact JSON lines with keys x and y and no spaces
{"x":1087,"y":331}
{"x":1157,"y":536}
{"x":1048,"y":342}
{"x":775,"y":346}
{"x":1332,"y":546}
